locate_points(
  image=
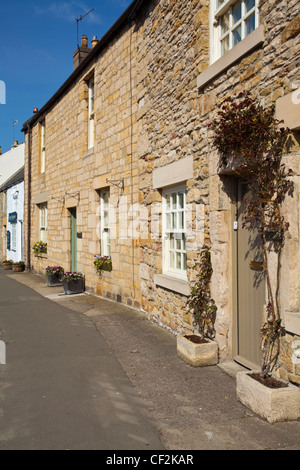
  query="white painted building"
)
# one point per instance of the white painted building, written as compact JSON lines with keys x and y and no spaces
{"x":12,"y":194}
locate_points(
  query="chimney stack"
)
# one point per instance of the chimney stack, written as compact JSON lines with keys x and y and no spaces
{"x":81,"y":52}
{"x":0,"y":151}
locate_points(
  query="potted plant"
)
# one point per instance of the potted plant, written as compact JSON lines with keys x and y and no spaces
{"x":18,"y":266}
{"x":8,"y":264}
{"x":54,"y":275}
{"x":102,"y":263}
{"x":250,"y":133}
{"x":39,"y":247}
{"x":201,"y":349}
{"x":73,"y":283}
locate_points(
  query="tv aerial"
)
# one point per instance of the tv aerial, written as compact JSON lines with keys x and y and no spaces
{"x":80,"y":19}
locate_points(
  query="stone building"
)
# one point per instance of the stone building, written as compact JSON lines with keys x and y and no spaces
{"x":81,"y":168}
{"x":193,"y":56}
{"x":130,"y":126}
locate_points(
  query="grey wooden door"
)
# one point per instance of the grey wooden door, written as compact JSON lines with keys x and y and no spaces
{"x":251,"y":290}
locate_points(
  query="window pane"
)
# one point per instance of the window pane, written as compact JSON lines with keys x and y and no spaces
{"x":236,"y":35}
{"x":180,"y":200}
{"x":105,"y":218}
{"x":174,"y":201}
{"x":224,"y":22}
{"x":184,"y":261}
{"x":178,"y":244}
{"x":250,"y":24}
{"x":173,"y":220}
{"x":236,"y":12}
{"x":172,"y":241}
{"x":178,"y":260}
{"x":181,"y":220}
{"x":168,"y":198}
{"x":183,"y":243}
{"x":172,"y":259}
{"x":105,"y":199}
{"x":249,"y":4}
{"x":225,"y":45}
{"x":168,"y":219}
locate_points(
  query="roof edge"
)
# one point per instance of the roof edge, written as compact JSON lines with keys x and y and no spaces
{"x":12,"y":180}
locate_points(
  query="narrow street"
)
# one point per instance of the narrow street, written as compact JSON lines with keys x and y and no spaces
{"x":85,"y":373}
{"x":62,"y":387}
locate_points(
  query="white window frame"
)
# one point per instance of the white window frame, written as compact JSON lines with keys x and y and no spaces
{"x":43,"y":146}
{"x":43,"y":222}
{"x":105,"y":238}
{"x":174,"y":232}
{"x":218,"y":10}
{"x":91,"y":113}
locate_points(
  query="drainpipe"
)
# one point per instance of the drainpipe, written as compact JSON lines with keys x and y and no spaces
{"x":29,"y":199}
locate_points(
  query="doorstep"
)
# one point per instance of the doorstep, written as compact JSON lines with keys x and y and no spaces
{"x":231,"y":367}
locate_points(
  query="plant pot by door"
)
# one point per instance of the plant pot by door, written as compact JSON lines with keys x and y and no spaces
{"x":195,"y":352}
{"x":273,"y":404}
{"x":18,"y":268}
{"x":53,"y":280}
{"x":73,"y":286}
{"x":7,"y":266}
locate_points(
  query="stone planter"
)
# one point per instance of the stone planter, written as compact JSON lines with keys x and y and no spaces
{"x":273,"y":404}
{"x":73,"y":286}
{"x":53,"y":280}
{"x":197,"y":354}
{"x":17,"y":268}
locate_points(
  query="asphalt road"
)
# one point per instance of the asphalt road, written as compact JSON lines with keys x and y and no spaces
{"x":86,"y":373}
{"x":62,"y":386}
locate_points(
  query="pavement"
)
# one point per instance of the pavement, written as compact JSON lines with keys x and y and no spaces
{"x":83,"y":372}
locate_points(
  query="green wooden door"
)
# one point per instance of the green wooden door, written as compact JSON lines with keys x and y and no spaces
{"x":73,"y":240}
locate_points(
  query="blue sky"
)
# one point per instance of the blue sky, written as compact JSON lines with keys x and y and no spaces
{"x":37,"y":41}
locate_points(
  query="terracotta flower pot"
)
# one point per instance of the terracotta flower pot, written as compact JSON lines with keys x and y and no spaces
{"x":7,"y":266}
{"x":18,"y":268}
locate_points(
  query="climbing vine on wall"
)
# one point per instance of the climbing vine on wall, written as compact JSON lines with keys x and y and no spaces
{"x":246,"y":131}
{"x":200,"y":303}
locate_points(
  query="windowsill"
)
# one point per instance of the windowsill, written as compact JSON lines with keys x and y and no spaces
{"x":255,"y":39}
{"x":172,"y":283}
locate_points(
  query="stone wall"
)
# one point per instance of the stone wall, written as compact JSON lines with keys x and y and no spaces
{"x":169,"y":127}
{"x":173,"y":122}
{"x":75,"y":174}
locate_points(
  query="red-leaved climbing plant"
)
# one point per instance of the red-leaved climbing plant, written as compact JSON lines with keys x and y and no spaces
{"x":246,"y":131}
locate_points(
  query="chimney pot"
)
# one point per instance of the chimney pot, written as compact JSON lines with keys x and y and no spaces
{"x":0,"y":151}
{"x":84,"y":41}
{"x":94,"y":41}
{"x":35,"y":110}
